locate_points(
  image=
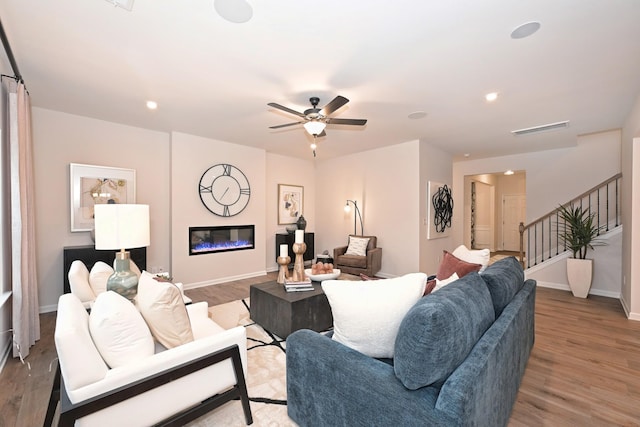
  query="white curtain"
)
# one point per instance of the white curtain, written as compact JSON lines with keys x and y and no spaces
{"x":26,"y":320}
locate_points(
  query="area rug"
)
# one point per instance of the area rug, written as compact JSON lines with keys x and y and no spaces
{"x":265,"y":378}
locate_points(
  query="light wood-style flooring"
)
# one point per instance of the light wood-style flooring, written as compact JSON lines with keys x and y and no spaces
{"x":584,"y":369}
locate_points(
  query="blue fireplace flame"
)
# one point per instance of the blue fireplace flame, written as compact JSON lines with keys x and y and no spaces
{"x":216,"y":239}
{"x":221,"y":246}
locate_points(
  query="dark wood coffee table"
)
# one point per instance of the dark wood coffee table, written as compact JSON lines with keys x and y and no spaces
{"x":281,"y":312}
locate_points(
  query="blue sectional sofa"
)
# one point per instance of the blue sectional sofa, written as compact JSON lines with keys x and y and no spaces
{"x":460,"y":355}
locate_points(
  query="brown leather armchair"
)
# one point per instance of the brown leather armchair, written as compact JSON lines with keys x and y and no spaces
{"x":354,"y":264}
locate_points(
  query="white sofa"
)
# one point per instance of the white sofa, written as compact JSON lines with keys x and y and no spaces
{"x":142,"y":393}
{"x":87,"y":285}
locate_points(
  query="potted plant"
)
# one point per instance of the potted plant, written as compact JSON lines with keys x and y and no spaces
{"x":579,"y":232}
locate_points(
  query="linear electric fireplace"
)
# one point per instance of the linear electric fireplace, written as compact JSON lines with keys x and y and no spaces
{"x":206,"y":240}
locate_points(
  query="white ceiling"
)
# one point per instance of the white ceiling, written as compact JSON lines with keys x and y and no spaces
{"x":214,"y":78}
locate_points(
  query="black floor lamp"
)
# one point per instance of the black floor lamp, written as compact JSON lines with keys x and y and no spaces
{"x":347,"y":208}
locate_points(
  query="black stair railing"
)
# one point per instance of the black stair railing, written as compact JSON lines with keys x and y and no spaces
{"x":540,"y":239}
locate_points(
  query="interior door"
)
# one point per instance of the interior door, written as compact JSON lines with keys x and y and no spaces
{"x":514,"y":211}
{"x":485,"y":217}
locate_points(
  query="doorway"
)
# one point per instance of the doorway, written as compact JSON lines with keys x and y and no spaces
{"x":495,"y":204}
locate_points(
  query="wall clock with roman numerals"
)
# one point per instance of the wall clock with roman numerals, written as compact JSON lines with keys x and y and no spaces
{"x":224,"y":190}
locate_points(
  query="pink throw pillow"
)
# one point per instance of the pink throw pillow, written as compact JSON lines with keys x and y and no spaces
{"x":450,"y":264}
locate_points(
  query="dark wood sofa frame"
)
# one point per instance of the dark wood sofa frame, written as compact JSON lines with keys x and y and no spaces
{"x":69,"y":412}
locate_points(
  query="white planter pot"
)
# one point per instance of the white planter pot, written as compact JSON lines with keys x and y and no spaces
{"x":579,"y":274}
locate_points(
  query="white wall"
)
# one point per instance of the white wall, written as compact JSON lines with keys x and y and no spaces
{"x":550,"y":177}
{"x":389,"y":184}
{"x":386,"y":183}
{"x":550,"y":180}
{"x":60,"y":139}
{"x":5,"y":249}
{"x":631,"y":213}
{"x":191,"y":156}
{"x":292,"y":171}
{"x":168,"y":168}
{"x":607,"y":268}
{"x":435,"y":165}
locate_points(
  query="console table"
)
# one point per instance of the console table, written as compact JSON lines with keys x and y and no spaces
{"x":289,"y":240}
{"x":89,"y":255}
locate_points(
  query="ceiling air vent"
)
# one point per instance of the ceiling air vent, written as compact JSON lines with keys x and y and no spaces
{"x":541,"y":128}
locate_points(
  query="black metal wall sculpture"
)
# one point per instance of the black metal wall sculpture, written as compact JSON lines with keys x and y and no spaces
{"x":442,"y":201}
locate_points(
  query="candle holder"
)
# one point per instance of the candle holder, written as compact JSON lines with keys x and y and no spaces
{"x":284,"y":268}
{"x":298,"y":267}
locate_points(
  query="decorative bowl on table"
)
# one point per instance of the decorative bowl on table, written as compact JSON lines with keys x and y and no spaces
{"x":321,"y":277}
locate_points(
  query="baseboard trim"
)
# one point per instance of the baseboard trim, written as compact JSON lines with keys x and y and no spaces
{"x":565,"y":287}
{"x":223,"y":280}
{"x":385,"y":275}
{"x":48,"y":308}
{"x":553,"y":285}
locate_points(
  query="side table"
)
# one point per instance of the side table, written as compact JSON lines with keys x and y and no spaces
{"x":281,"y":312}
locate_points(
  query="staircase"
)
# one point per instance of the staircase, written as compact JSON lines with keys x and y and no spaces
{"x":540,"y":240}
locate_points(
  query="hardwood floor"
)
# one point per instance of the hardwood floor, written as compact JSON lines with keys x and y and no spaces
{"x":230,"y":291}
{"x":584,"y":369}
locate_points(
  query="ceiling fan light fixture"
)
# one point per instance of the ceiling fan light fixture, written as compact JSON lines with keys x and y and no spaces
{"x":314,"y":127}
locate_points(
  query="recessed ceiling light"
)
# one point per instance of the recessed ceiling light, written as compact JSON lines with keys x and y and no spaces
{"x":490,"y":97}
{"x":525,"y":30}
{"x":236,"y":11}
{"x":152,"y":105}
{"x":417,"y":115}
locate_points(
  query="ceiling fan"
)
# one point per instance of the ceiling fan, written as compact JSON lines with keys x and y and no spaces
{"x":315,"y":119}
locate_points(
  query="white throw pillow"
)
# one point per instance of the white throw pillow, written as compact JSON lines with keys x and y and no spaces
{"x":100,"y":272}
{"x":474,"y":256}
{"x":119,"y":331}
{"x":357,"y":246}
{"x":367,"y":314}
{"x":164,"y":311}
{"x":79,"y":281}
{"x":445,"y":282}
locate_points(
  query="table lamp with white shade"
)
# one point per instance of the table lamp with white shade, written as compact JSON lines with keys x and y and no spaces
{"x":122,"y":227}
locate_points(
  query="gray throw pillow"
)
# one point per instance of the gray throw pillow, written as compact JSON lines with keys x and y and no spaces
{"x":504,"y":279}
{"x":440,"y":330}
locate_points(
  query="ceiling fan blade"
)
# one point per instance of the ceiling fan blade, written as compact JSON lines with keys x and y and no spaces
{"x":283,"y":108}
{"x":284,"y":126}
{"x":323,"y":133}
{"x":337,"y":102}
{"x":357,"y":122}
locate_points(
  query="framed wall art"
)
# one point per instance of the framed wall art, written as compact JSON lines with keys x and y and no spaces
{"x":290,"y":203}
{"x":94,"y":185}
{"x":439,"y":210}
